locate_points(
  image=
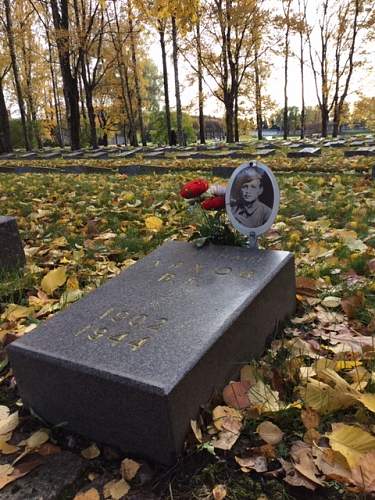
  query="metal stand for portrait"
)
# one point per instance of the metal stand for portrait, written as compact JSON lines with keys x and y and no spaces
{"x":252,"y":241}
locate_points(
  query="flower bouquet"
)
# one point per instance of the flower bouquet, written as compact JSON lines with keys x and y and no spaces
{"x":207,"y":203}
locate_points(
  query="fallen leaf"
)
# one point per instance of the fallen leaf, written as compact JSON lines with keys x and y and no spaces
{"x":363,"y":475}
{"x":310,"y":418}
{"x":255,"y":462}
{"x":331,"y":302}
{"x":332,"y":464}
{"x":91,"y":494}
{"x":351,"y":305}
{"x":116,"y":489}
{"x":219,"y":492}
{"x":19,"y":471}
{"x":6,"y":448}
{"x":301,"y":454}
{"x":37,"y":439}
{"x":153,"y":223}
{"x":129,"y":468}
{"x":235,"y":395}
{"x":225,"y":440}
{"x":294,"y":478}
{"x":226,"y":418}
{"x":53,"y":280}
{"x":91,"y":452}
{"x":264,"y":398}
{"x":270,"y":433}
{"x":350,"y":441}
{"x":9,"y":423}
{"x":48,"y":449}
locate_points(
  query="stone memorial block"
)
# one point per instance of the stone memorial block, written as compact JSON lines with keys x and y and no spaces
{"x":305,"y":153}
{"x":355,"y":144}
{"x":29,"y":156}
{"x":131,"y":363}
{"x":8,"y":156}
{"x":334,"y":144}
{"x":265,"y":152}
{"x":154,"y":154}
{"x":74,"y":155}
{"x":51,"y":156}
{"x":98,"y":155}
{"x":360,"y":152}
{"x":12,"y":255}
{"x":129,"y":154}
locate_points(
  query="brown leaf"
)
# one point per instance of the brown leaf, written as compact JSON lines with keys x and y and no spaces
{"x":351,"y":305}
{"x":363,"y":475}
{"x":310,"y":418}
{"x":304,"y":462}
{"x":332,"y":464}
{"x":91,"y":494}
{"x":48,"y":449}
{"x":91,"y":452}
{"x":235,"y":395}
{"x":294,"y":478}
{"x":306,"y":286}
{"x":19,"y":471}
{"x":270,"y":433}
{"x":116,"y":489}
{"x":311,"y":436}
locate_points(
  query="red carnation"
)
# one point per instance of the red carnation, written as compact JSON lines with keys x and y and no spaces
{"x":215,"y":203}
{"x":193,"y":189}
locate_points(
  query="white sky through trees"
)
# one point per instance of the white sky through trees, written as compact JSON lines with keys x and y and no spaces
{"x":363,"y":79}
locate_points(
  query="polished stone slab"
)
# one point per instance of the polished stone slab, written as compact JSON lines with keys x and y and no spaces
{"x":12,"y":255}
{"x":305,"y":153}
{"x":370,"y":151}
{"x":131,"y":363}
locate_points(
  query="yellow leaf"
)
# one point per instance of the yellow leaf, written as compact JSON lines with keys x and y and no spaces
{"x":323,"y":398}
{"x":264,"y":398}
{"x":347,"y":365}
{"x":53,"y":280}
{"x":91,"y":452}
{"x":116,"y":489}
{"x":14,"y":312}
{"x":9,"y":423}
{"x":129,"y":469}
{"x":37,"y":439}
{"x":367,"y":400}
{"x":91,"y":494}
{"x":350,"y":441}
{"x":6,"y":448}
{"x":153,"y":223}
{"x":270,"y":433}
{"x":72,"y":283}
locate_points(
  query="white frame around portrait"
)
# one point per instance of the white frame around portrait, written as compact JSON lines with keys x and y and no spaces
{"x":254,"y":232}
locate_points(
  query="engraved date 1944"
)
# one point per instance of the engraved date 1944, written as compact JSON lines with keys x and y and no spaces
{"x":127,"y":323}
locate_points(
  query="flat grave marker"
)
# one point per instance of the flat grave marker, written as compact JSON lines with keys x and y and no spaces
{"x":130,"y":364}
{"x":305,"y":153}
{"x":29,"y":156}
{"x":12,"y":254}
{"x":265,"y":152}
{"x":370,"y":151}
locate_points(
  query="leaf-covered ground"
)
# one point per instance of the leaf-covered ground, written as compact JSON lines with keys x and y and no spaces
{"x":301,"y":418}
{"x":331,"y":160}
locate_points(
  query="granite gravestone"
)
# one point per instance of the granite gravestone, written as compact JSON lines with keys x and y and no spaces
{"x":131,"y":363}
{"x":12,"y":255}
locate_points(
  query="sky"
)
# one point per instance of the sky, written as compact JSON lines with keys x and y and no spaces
{"x":363,"y":80}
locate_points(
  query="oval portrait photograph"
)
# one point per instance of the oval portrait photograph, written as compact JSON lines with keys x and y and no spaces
{"x":252,"y":198}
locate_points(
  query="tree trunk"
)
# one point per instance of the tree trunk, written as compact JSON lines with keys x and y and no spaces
{"x":180,"y":136}
{"x":229,"y":116}
{"x":59,"y":134}
{"x":91,"y":115}
{"x":336,"y":120}
{"x":136,"y":76}
{"x":5,"y":139}
{"x":165,"y":80}
{"x":303,"y":109}
{"x":17,"y":81}
{"x":202,"y":137}
{"x":286,"y":60}
{"x":236,"y":129}
{"x":258,"y":96}
{"x":325,"y":118}
{"x":70,"y":81}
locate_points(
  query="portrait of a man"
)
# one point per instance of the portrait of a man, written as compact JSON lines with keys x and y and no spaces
{"x":251,"y":205}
